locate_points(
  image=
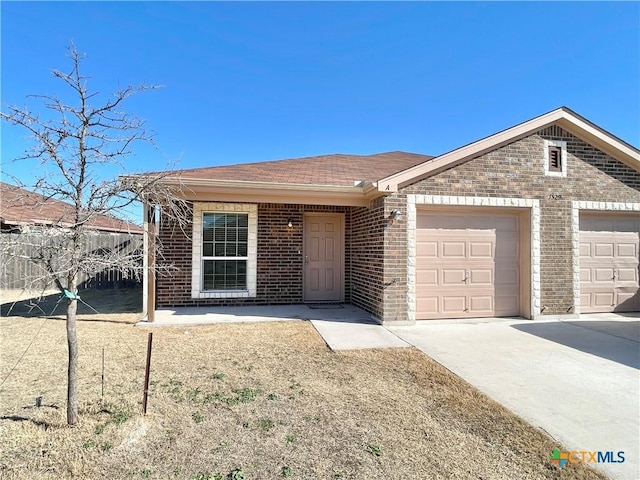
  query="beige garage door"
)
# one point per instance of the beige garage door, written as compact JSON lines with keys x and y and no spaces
{"x":609,"y":263}
{"x":467,"y":265}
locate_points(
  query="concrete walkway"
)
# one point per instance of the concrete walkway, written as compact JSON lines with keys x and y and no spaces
{"x":343,"y":327}
{"x":577,"y":380}
{"x":347,"y":335}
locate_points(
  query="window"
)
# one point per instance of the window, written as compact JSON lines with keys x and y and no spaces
{"x":555,"y":158}
{"x":224,"y":251}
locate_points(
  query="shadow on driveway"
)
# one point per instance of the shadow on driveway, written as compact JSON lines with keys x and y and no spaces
{"x":616,"y":341}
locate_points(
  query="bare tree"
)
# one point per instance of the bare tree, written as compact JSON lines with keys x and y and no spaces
{"x":75,"y":141}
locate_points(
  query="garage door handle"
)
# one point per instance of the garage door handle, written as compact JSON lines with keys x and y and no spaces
{"x":614,"y":275}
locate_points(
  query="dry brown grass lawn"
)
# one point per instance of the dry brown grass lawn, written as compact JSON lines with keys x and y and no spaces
{"x":253,"y":401}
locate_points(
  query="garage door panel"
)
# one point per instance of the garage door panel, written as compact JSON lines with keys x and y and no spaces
{"x":603,"y":250}
{"x":603,"y":299}
{"x":614,"y":241}
{"x":429,"y":305}
{"x":453,"y":304}
{"x":428,"y":249}
{"x":480,"y":304}
{"x":480,"y":277}
{"x":427,"y":278}
{"x":585,"y":275}
{"x":585,"y":300}
{"x":453,"y":249}
{"x":480,"y":250}
{"x":603,"y":275}
{"x":625,"y":297}
{"x":585,"y":249}
{"x":629,"y":250}
{"x":453,"y":277}
{"x":609,"y":248}
{"x":628,"y":275}
{"x":475,"y":258}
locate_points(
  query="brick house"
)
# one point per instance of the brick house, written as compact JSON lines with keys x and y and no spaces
{"x":540,"y":219}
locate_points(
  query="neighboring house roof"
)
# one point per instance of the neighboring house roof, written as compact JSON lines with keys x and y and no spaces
{"x":23,"y":207}
{"x":331,"y":170}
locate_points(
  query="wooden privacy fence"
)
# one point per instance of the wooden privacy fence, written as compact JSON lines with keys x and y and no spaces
{"x":18,"y":271}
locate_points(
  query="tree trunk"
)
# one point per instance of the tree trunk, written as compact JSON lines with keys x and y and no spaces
{"x":72,"y":371}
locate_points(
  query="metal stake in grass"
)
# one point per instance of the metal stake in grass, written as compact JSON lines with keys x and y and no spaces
{"x":103,"y":371}
{"x":146,"y":374}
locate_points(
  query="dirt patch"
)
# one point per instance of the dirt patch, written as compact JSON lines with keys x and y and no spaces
{"x":257,"y":401}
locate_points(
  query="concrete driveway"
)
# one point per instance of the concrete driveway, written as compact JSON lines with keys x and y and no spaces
{"x":577,"y":380}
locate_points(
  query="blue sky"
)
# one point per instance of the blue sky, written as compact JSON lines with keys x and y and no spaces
{"x":262,"y":81}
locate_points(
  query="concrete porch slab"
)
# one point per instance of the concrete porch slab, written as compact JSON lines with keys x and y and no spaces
{"x":192,"y":316}
{"x":262,"y":313}
{"x":343,"y":327}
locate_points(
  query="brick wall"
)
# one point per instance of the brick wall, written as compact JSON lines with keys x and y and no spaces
{"x":174,"y":248}
{"x":395,"y":261}
{"x":517,"y":170}
{"x":367,"y":257}
{"x":375,"y":248}
{"x":279,"y":259}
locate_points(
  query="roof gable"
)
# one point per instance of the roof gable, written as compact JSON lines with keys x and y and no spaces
{"x":563,"y":117}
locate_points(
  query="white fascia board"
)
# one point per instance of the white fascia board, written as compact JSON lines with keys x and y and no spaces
{"x":260,"y":192}
{"x":242,"y":184}
{"x":562,"y":116}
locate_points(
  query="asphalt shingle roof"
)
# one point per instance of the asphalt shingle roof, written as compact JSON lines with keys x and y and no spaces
{"x":20,"y":206}
{"x":334,"y":170}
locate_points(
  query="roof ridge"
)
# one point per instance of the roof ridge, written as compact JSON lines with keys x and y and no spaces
{"x":309,"y":157}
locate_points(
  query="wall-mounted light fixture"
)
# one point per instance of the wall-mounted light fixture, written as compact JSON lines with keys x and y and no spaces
{"x":393,"y":216}
{"x":290,"y":223}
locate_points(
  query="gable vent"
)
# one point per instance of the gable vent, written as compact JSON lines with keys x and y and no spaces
{"x":555,"y":159}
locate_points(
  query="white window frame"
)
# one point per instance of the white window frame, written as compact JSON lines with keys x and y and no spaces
{"x":197,"y":277}
{"x":562,"y":145}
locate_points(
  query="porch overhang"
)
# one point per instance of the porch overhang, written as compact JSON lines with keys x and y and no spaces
{"x":207,"y":190}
